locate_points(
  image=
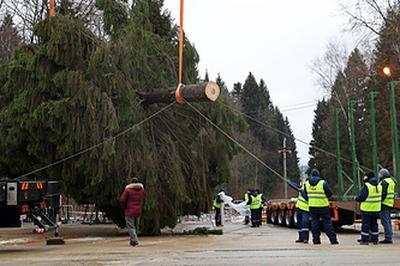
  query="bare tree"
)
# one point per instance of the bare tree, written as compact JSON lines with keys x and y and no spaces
{"x":368,"y":15}
{"x":27,"y":14}
{"x":9,"y":40}
{"x":327,"y":67}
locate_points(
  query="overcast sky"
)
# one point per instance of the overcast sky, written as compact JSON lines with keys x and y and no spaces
{"x":275,"y":40}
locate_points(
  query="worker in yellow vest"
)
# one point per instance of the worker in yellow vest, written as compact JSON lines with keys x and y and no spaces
{"x":262,"y":205}
{"x":254,"y":204}
{"x":246,"y":199}
{"x":218,"y":204}
{"x":317,"y":193}
{"x":303,"y":216}
{"x":370,"y":199}
{"x":388,"y":193}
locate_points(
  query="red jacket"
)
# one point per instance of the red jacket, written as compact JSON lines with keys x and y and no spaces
{"x":132,"y":199}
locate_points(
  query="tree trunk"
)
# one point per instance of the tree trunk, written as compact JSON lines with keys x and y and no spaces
{"x":203,"y":92}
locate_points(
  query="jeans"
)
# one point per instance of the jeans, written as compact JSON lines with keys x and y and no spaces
{"x":369,"y":228}
{"x":218,"y":216}
{"x":387,"y":223}
{"x":302,"y":224}
{"x":132,"y":223}
{"x":325,"y":215}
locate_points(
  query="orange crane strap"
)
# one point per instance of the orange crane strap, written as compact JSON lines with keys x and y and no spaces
{"x":178,"y":96}
{"x":181,"y":40}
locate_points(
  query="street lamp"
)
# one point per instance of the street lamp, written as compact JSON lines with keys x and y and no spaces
{"x":392,"y":85}
{"x":387,"y":71}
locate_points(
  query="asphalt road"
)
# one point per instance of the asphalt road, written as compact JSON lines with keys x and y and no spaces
{"x":240,"y":245}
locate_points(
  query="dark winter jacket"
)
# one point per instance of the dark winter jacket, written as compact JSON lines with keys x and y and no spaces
{"x":364,"y":191}
{"x":132,"y":199}
{"x":218,"y":198}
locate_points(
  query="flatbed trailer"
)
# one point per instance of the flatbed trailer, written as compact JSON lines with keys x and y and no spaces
{"x":343,"y":212}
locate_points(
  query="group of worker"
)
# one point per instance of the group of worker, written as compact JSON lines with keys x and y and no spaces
{"x":253,"y":199}
{"x":376,"y":201}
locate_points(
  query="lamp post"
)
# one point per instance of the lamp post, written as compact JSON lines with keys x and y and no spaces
{"x":392,"y":85}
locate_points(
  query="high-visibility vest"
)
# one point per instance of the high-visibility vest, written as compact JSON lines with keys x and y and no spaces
{"x":374,"y":199}
{"x":389,"y":200}
{"x":316,"y":195}
{"x":255,"y":202}
{"x":246,"y":197}
{"x":301,"y":203}
{"x":217,"y":204}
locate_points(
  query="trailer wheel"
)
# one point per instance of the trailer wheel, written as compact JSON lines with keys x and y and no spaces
{"x":281,"y":217}
{"x":295,"y":221}
{"x":289,"y":219}
{"x":269,"y":214}
{"x":274,"y":217}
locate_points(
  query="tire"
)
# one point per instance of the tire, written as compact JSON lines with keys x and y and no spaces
{"x":295,"y":221}
{"x":281,"y":217}
{"x":289,"y":219}
{"x":274,"y":217}
{"x":269,"y":214}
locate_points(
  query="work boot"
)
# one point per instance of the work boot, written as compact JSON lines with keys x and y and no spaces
{"x":305,"y":242}
{"x":317,"y":242}
{"x":364,"y":243}
{"x":386,"y":241}
{"x":335,"y":242}
{"x":299,"y":241}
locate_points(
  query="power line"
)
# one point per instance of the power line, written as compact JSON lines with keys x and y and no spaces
{"x":289,"y":136}
{"x":98,"y":144}
{"x":298,"y":104}
{"x":298,"y":108}
{"x":287,"y":109}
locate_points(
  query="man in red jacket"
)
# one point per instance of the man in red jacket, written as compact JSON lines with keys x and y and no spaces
{"x":132,"y":202}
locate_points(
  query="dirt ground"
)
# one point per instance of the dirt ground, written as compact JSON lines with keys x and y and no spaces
{"x":239,"y":245}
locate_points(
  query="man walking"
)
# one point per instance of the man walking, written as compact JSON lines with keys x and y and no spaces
{"x":388,"y":192}
{"x":132,"y":201}
{"x":317,"y":193}
{"x":370,"y":207}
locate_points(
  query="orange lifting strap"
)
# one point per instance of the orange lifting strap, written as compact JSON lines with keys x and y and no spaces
{"x":178,"y":96}
{"x":52,"y":8}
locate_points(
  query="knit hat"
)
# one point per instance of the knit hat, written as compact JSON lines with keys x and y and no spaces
{"x":315,"y":172}
{"x":383,"y":173}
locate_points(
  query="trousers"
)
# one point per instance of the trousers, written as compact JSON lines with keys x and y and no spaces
{"x":218,"y":216}
{"x":386,"y":221}
{"x":302,"y":224}
{"x":323,"y":214}
{"x":132,"y":223}
{"x":369,"y":227}
{"x":255,"y":217}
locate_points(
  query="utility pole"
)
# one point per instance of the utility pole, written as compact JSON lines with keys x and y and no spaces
{"x":285,"y":151}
